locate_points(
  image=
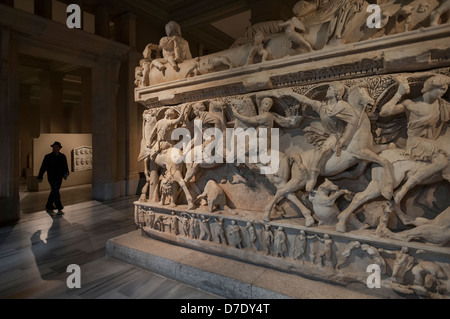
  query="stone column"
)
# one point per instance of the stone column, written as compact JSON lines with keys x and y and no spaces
{"x":52,"y":118}
{"x":9,"y":129}
{"x":43,"y":8}
{"x":102,"y":20}
{"x":104,"y":129}
{"x":46,"y":100}
{"x":125,"y":29}
{"x":129,"y":141}
{"x":57,"y":113}
{"x":86,"y":101}
{"x":134,"y":128}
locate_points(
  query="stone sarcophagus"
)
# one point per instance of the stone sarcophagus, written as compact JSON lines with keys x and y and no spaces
{"x":318,"y":146}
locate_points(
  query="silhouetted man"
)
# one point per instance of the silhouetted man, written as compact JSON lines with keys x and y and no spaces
{"x":55,"y":164}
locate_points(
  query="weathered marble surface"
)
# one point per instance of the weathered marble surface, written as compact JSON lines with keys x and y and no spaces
{"x":363,"y":154}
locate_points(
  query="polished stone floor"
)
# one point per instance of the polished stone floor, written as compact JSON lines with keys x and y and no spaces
{"x":36,"y":251}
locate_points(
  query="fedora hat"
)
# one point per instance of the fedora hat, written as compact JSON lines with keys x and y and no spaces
{"x":56,"y":143}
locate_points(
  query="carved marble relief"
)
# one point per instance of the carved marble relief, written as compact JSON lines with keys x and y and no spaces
{"x":361,"y":157}
{"x":82,"y":159}
{"x":313,"y":26}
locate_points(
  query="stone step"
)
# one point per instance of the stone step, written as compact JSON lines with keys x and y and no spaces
{"x":221,"y":276}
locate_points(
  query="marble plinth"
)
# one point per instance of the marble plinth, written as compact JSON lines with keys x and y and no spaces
{"x":222,"y":276}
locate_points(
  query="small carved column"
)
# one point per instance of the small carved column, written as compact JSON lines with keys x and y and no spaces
{"x":9,"y":129}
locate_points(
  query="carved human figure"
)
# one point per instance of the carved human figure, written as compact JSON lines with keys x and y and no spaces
{"x":205,"y":231}
{"x":374,"y":254}
{"x":147,"y":61}
{"x":299,"y":245}
{"x":435,"y":231}
{"x":345,"y":254}
{"x":280,"y":242}
{"x":148,"y":123}
{"x":252,"y":237}
{"x":139,"y":217}
{"x":345,"y":124}
{"x":150,"y":219}
{"x":405,"y":15}
{"x":342,"y":17}
{"x":221,"y":231}
{"x":382,"y":228}
{"x":139,"y":74}
{"x":159,"y":223}
{"x":161,"y":136}
{"x":339,"y":121}
{"x":402,"y":264}
{"x":174,"y":48}
{"x":194,"y":227}
{"x":258,"y":49}
{"x":325,"y":255}
{"x":234,"y":235}
{"x":265,"y":118}
{"x":206,"y":120}
{"x":174,"y":229}
{"x":294,"y":27}
{"x":184,"y":224}
{"x":266,"y":239}
{"x":426,"y":116}
{"x":167,"y":189}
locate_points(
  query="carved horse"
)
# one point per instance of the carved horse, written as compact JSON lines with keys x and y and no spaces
{"x":403,"y":168}
{"x":361,"y":150}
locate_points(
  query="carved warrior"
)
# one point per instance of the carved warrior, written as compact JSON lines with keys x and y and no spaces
{"x":426,"y":117}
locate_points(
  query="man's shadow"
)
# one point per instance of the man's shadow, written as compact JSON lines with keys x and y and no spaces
{"x":55,"y":254}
